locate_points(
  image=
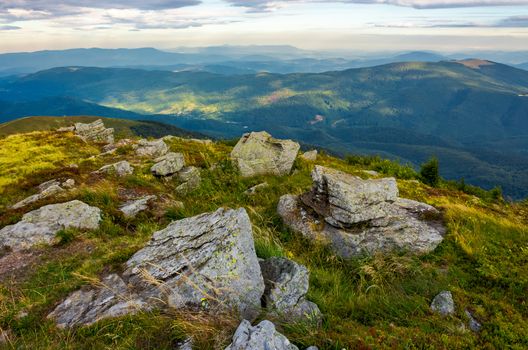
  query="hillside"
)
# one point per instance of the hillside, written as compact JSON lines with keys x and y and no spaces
{"x":380,"y":301}
{"x":470,"y":113}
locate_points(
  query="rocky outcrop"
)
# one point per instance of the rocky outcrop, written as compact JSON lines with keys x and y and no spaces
{"x":258,"y":153}
{"x":131,"y":208}
{"x":151,"y":149}
{"x":46,"y":189}
{"x":41,"y":225}
{"x":168,"y":164}
{"x":310,"y":155}
{"x":121,"y":168}
{"x":443,"y":303}
{"x":263,"y":336}
{"x":204,"y":262}
{"x":358,"y":216}
{"x":94,"y":132}
{"x":286,"y":287}
{"x":189,"y":178}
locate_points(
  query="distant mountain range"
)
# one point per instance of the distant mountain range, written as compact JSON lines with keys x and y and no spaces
{"x":472,"y":114}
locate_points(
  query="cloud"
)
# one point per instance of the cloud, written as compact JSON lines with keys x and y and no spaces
{"x":514,"y":22}
{"x":9,"y":27}
{"x":270,"y":5}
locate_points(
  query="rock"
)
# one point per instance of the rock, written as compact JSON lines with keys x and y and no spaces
{"x":202,"y":141}
{"x":68,"y":184}
{"x":5,"y":337}
{"x":443,"y":304}
{"x":168,"y":164}
{"x":263,"y":336}
{"x":47,"y":184}
{"x":474,"y":325}
{"x":310,"y":155}
{"x":121,"y":168}
{"x":256,"y":188}
{"x":286,"y":287}
{"x":41,"y":225}
{"x":66,"y":129}
{"x":190,"y":178}
{"x":114,"y":146}
{"x":370,"y":172}
{"x":47,"y":192}
{"x":258,"y":153}
{"x":94,"y":132}
{"x":204,"y":262}
{"x":312,"y":348}
{"x":357,"y":217}
{"x":208,"y":259}
{"x":184,"y":345}
{"x":152,"y":149}
{"x":111,"y":298}
{"x":131,"y":208}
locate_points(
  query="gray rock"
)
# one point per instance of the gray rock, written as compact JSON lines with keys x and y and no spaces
{"x":121,"y":168}
{"x":47,"y":192}
{"x":68,"y":184}
{"x":286,"y":287}
{"x":252,"y":190}
{"x":258,"y":153}
{"x":168,"y":164}
{"x":66,"y":129}
{"x":190,"y":179}
{"x":443,"y":303}
{"x":357,"y":217}
{"x":370,"y":172}
{"x":263,"y":336}
{"x":312,"y":348}
{"x":111,"y":298}
{"x":41,"y":225}
{"x":184,"y":345}
{"x":94,"y":132}
{"x":47,"y":184}
{"x":205,"y":261}
{"x":131,"y":208}
{"x":152,"y":149}
{"x":202,"y":141}
{"x":474,"y":325}
{"x":310,"y":155}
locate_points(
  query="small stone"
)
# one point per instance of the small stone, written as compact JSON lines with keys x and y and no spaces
{"x":168,"y":164}
{"x":131,"y":208}
{"x":184,"y":345}
{"x":474,"y":325}
{"x":256,"y":188}
{"x":152,"y":149}
{"x":310,"y":155}
{"x":443,"y":303}
{"x":47,"y":192}
{"x":263,"y":336}
{"x":68,"y":184}
{"x":121,"y":168}
{"x":190,"y":178}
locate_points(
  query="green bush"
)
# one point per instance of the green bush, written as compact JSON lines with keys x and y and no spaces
{"x":429,"y":172}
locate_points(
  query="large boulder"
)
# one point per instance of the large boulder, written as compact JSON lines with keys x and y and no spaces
{"x":204,"y":262}
{"x":41,"y":225}
{"x":94,"y":132}
{"x":121,"y":168}
{"x":263,"y":336}
{"x":286,"y":287}
{"x":168,"y":164}
{"x":359,"y":217}
{"x":151,"y":149}
{"x":258,"y":153}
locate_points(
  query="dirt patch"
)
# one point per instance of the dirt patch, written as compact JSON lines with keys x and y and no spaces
{"x":475,"y":63}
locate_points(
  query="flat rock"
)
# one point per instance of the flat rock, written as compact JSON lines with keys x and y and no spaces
{"x":286,"y":287}
{"x":443,"y":303}
{"x":47,"y":192}
{"x":357,"y":217}
{"x":310,"y":155}
{"x":258,"y":153}
{"x":168,"y":164}
{"x":121,"y":168}
{"x":41,"y":225}
{"x":131,"y":208}
{"x":263,"y":336}
{"x":152,"y":149}
{"x":94,"y":132}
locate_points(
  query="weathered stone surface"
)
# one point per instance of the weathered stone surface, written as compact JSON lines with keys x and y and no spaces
{"x":443,"y":303}
{"x":256,"y":188}
{"x":310,"y":155}
{"x":168,"y":164}
{"x":41,"y":225}
{"x":360,"y":217}
{"x":258,"y":153}
{"x":121,"y":168}
{"x":286,"y":287}
{"x":131,"y":208}
{"x":207,"y":259}
{"x":263,"y":336}
{"x":47,"y":192}
{"x":474,"y":325}
{"x":94,"y":132}
{"x":190,"y":179}
{"x":111,"y":298}
{"x":152,"y":149}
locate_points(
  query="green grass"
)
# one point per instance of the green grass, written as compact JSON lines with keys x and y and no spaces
{"x":378,"y":302}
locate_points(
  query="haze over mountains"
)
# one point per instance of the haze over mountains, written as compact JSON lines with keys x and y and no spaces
{"x":472,"y":114}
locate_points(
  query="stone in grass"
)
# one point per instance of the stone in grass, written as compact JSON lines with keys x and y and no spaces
{"x":94,"y":132}
{"x":263,"y":336}
{"x":152,"y":149}
{"x":310,"y":155}
{"x":474,"y":325}
{"x":121,"y":168}
{"x":131,"y":208}
{"x":443,"y":303}
{"x":252,"y":190}
{"x":41,"y":225}
{"x":168,"y":164}
{"x":190,"y":179}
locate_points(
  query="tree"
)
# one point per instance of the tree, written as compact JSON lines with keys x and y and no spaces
{"x":429,"y":172}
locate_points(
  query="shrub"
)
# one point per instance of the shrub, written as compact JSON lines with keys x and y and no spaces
{"x":429,"y":172}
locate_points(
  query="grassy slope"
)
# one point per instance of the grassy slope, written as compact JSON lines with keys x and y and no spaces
{"x":374,"y":302}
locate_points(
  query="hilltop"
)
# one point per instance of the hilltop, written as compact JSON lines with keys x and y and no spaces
{"x":379,"y":300}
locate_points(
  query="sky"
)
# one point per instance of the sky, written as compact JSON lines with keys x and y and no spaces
{"x":348,"y":25}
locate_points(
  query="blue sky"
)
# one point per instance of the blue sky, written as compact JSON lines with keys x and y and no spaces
{"x":360,"y":25}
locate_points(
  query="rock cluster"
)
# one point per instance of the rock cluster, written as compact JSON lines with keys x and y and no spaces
{"x":41,"y":225}
{"x":258,"y":153}
{"x":121,"y":168}
{"x":358,"y":216}
{"x":46,"y":189}
{"x":94,"y":132}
